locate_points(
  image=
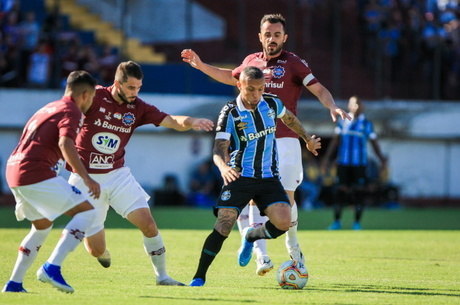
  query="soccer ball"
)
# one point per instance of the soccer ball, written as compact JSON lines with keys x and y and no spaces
{"x":291,"y":275}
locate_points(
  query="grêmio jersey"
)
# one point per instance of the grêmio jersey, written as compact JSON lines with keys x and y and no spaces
{"x":252,"y":136}
{"x":107,"y":128}
{"x":354,"y":136}
{"x":285,"y":76}
{"x":37,"y":153}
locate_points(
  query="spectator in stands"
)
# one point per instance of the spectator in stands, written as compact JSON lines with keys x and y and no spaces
{"x":39,"y":69}
{"x":30,"y":34}
{"x":169,"y":194}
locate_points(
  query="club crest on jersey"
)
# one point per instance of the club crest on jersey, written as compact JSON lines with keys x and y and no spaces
{"x":225,"y":195}
{"x":278,"y":71}
{"x":128,"y":119}
{"x":271,"y":113}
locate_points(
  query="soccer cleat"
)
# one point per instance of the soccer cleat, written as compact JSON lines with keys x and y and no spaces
{"x":296,"y":254}
{"x":49,"y":273}
{"x":356,"y":226}
{"x":336,"y":225}
{"x":169,"y":282}
{"x":197,"y":282}
{"x":245,"y":251}
{"x":13,"y":287}
{"x":105,"y":259}
{"x":264,"y":265}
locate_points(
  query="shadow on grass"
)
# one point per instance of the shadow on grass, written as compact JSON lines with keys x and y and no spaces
{"x":198,"y":299}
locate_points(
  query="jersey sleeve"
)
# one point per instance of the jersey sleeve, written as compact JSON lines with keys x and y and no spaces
{"x":225,"y":124}
{"x":152,"y":115}
{"x":370,"y":130}
{"x":303,"y":72}
{"x":69,"y":124}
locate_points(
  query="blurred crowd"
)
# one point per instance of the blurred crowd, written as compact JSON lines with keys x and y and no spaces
{"x":416,"y":39}
{"x":40,"y":54}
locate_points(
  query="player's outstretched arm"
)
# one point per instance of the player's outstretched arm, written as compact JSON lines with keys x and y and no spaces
{"x":291,"y":121}
{"x":219,"y":74}
{"x":70,"y":154}
{"x":220,"y":158}
{"x":325,"y":97}
{"x":183,"y":123}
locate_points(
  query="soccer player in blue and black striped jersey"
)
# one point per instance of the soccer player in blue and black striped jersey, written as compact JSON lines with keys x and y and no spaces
{"x":352,"y":137}
{"x":245,"y":153}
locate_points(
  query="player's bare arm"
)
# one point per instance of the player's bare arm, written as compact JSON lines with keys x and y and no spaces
{"x":70,"y":154}
{"x":326,"y":99}
{"x":221,"y":75}
{"x":183,"y":123}
{"x":221,"y":157}
{"x":291,"y":121}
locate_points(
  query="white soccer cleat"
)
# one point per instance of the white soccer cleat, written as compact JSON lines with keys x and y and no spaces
{"x":105,"y":259}
{"x":169,"y":282}
{"x":264,"y":265}
{"x":296,"y":254}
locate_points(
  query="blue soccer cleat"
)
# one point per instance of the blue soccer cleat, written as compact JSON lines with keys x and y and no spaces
{"x":336,"y":225}
{"x":49,"y":273}
{"x":356,"y":226}
{"x":13,"y":287}
{"x":197,"y":282}
{"x":245,"y":251}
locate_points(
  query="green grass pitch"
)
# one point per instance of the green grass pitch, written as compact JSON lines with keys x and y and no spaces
{"x":405,"y":264}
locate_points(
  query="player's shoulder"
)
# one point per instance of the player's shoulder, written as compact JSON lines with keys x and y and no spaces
{"x":293,"y":58}
{"x":270,"y":97}
{"x":228,"y":107}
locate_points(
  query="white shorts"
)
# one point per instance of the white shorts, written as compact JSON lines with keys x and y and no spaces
{"x":46,"y":199}
{"x":290,"y":162}
{"x":119,"y":189}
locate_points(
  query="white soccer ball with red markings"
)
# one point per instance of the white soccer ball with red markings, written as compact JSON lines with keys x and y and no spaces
{"x":291,"y":275}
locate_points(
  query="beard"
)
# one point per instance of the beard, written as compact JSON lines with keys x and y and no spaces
{"x":273,"y":49}
{"x":123,"y":97}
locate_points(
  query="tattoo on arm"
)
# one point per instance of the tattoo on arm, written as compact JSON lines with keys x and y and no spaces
{"x":293,"y":123}
{"x":221,"y":149}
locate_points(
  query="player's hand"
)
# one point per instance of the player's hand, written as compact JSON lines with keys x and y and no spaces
{"x":189,"y":56}
{"x":94,"y":189}
{"x":338,"y":111}
{"x":203,"y":124}
{"x":314,"y":144}
{"x":229,"y":174}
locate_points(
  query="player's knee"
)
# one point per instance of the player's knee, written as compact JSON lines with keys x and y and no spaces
{"x":149,"y":230}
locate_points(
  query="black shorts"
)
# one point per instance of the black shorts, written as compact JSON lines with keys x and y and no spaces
{"x":351,"y":175}
{"x":264,"y":192}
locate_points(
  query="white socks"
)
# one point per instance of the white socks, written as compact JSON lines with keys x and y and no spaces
{"x":28,"y":251}
{"x":155,"y":248}
{"x":291,"y":234}
{"x":243,"y":219}
{"x":71,"y":237}
{"x":256,"y":220}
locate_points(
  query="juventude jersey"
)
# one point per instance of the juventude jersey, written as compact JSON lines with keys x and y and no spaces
{"x":285,"y":76}
{"x":107,"y":128}
{"x":252,"y":136}
{"x":354,"y":135}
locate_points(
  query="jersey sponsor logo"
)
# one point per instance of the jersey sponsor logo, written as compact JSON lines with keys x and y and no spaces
{"x":278,"y":71}
{"x":102,"y":109}
{"x":274,"y":85}
{"x":242,"y":125}
{"x":107,"y":125}
{"x":262,"y":133}
{"x":100,"y":161}
{"x":108,"y":116}
{"x":128,"y":119}
{"x":225,"y":195}
{"x":117,"y":115}
{"x":280,"y":61}
{"x":106,"y":142}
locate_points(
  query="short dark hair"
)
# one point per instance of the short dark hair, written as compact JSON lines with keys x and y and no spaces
{"x":128,"y":69}
{"x":252,"y":72}
{"x":274,"y":18}
{"x":79,"y":80}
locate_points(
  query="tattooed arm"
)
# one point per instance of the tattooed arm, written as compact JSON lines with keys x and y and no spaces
{"x":221,"y":157}
{"x":293,"y":122}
